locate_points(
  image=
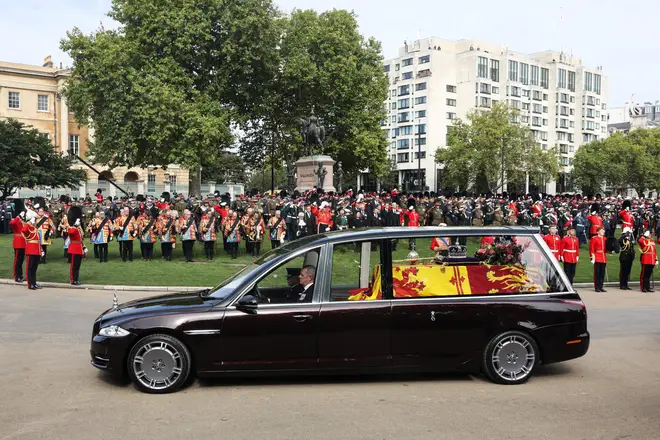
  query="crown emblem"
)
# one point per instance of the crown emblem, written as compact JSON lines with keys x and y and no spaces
{"x":457,"y":251}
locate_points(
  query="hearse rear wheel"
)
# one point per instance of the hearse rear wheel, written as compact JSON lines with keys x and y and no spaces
{"x":159,"y":364}
{"x":510,"y":357}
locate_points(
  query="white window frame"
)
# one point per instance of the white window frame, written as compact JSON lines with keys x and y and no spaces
{"x":11,"y":94}
{"x":39,"y":109}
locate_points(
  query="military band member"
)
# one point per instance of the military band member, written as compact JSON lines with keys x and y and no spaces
{"x":598,"y":254}
{"x":126,"y":228}
{"x":33,"y":249}
{"x":324,"y":220}
{"x":626,"y":257}
{"x":255,"y":231}
{"x":207,"y":226}
{"x":243,"y":226}
{"x":147,"y":233}
{"x":63,"y":229}
{"x":139,"y":220}
{"x":45,"y":229}
{"x":554,"y":242}
{"x":188,"y":231}
{"x":77,"y":249}
{"x":233,"y":234}
{"x":16,"y":225}
{"x":570,"y":253}
{"x":595,"y":220}
{"x":627,"y":219}
{"x":277,"y":228}
{"x":166,"y":230}
{"x":101,"y":229}
{"x":649,"y":260}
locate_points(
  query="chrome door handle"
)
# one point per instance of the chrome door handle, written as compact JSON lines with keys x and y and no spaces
{"x":301,"y":318}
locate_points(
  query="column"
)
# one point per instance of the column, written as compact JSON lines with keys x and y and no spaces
{"x":140,"y":187}
{"x":64,"y":125}
{"x":230,"y":189}
{"x":82,"y":190}
{"x":112,"y":191}
{"x":211,"y":185}
{"x":166,"y":182}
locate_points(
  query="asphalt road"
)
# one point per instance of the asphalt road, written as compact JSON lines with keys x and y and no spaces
{"x":48,"y":390}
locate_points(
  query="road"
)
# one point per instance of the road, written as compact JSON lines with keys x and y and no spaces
{"x":48,"y":390}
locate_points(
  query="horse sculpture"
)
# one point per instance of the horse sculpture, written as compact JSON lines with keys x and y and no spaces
{"x":312,"y":133}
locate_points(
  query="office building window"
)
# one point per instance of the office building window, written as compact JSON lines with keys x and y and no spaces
{"x":403,"y":144}
{"x":407,"y":62}
{"x":534,"y":79}
{"x":418,"y":153}
{"x":451,"y":89}
{"x":451,"y":115}
{"x":394,"y":106}
{"x":421,"y":114}
{"x":482,"y":67}
{"x":386,"y":68}
{"x":404,"y":103}
{"x":484,"y":102}
{"x":406,"y":130}
{"x":425,"y":59}
{"x":403,"y":157}
{"x":561,"y":79}
{"x":406,"y":75}
{"x":525,"y":106}
{"x":420,"y":100}
{"x":515,"y":91}
{"x":545,"y":122}
{"x":537,"y":95}
{"x":393,"y":92}
{"x":536,"y":121}
{"x":172,"y":183}
{"x":588,"y":81}
{"x":393,"y":119}
{"x":420,"y":86}
{"x":42,"y":103}
{"x":495,"y":70}
{"x":525,"y":93}
{"x":571,"y":81}
{"x":597,"y":84}
{"x":404,"y":90}
{"x":515,"y":104}
{"x":484,"y":88}
{"x":451,"y":102}
{"x":524,"y":73}
{"x":545,"y":77}
{"x":74,"y":143}
{"x":403,"y":117}
{"x":151,"y":183}
{"x":14,"y":100}
{"x":495,"y":90}
{"x":420,"y":141}
{"x":538,"y":108}
{"x":513,"y":70}
{"x":420,"y":129}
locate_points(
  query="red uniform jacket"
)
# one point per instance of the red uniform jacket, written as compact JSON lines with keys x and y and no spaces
{"x":537,"y":210}
{"x":442,"y":243}
{"x":487,"y":241}
{"x":324,"y":218}
{"x":16,"y":225}
{"x":597,"y":249}
{"x":626,"y":219}
{"x":32,"y":246}
{"x":413,"y":218}
{"x":76,"y":245}
{"x":647,"y":248}
{"x":596,"y":223}
{"x":570,"y":249}
{"x":514,"y":208}
{"x":554,"y":243}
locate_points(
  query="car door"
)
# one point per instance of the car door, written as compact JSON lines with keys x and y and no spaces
{"x":354,"y":324}
{"x":276,"y":336}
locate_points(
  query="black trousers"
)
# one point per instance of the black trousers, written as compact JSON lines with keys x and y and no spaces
{"x":625,"y":266}
{"x":19,"y":257}
{"x":209,"y":249}
{"x":569,"y":268}
{"x":188,"y":249}
{"x":645,"y":277}
{"x":74,"y":271}
{"x":249,"y":246}
{"x":147,"y":250}
{"x":44,"y":249}
{"x":143,"y":252}
{"x":599,"y":275}
{"x":233,"y":249}
{"x":31,"y":269}
{"x":96,"y":251}
{"x":166,"y":249}
{"x":126,"y":248}
{"x":274,"y":244}
{"x":254,"y":247}
{"x":103,"y":252}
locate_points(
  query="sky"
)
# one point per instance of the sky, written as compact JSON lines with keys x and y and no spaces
{"x":618,"y":36}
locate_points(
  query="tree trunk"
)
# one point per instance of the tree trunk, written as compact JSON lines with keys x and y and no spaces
{"x":195,"y":189}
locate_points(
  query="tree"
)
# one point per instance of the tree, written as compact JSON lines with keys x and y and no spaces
{"x":487,"y":143}
{"x":325,"y":65}
{"x":27,"y":158}
{"x":164,"y":87}
{"x":226,"y":168}
{"x":261,"y":178}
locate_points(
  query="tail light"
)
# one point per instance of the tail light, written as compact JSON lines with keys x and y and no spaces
{"x":577,"y":303}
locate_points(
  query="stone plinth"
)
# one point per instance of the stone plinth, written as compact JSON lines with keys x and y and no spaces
{"x":305,"y":168}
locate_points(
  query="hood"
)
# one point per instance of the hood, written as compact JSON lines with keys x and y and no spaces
{"x":161,"y":304}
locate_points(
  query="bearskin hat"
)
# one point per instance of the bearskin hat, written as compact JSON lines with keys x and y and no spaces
{"x":41,"y":202}
{"x":627,"y":204}
{"x":595,"y":207}
{"x":139,"y":198}
{"x":19,"y":206}
{"x":74,"y":213}
{"x":166,"y":196}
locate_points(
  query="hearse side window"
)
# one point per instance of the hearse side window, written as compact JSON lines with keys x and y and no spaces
{"x":291,"y":282}
{"x":355,"y":270}
{"x":472,"y":265}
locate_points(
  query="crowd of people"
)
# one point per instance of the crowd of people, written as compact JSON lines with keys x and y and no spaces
{"x":567,"y":222}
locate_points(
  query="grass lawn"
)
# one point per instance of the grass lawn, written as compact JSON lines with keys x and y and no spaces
{"x":209,"y":273}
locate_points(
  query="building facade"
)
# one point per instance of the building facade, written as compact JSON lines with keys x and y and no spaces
{"x":32,"y":95}
{"x":434,"y":81}
{"x":632,"y":116}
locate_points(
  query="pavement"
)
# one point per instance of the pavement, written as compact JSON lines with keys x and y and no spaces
{"x":48,"y":390}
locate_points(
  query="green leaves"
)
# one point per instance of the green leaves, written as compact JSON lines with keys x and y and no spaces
{"x":27,"y":158}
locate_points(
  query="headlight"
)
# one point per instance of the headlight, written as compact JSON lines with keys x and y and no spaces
{"x":113,"y":331}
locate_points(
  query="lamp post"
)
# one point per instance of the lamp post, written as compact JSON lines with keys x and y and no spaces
{"x":419,"y":154}
{"x":502,"y":170}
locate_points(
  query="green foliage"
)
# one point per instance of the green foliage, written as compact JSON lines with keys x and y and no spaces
{"x":325,"y":65}
{"x":27,"y":158}
{"x":261,"y":178}
{"x":487,"y":140}
{"x":620,"y":162}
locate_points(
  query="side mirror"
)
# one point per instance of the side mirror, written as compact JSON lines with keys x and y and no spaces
{"x":247,"y":304}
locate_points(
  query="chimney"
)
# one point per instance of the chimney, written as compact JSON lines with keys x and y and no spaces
{"x":48,"y":61}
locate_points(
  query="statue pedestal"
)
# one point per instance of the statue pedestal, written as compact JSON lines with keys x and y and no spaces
{"x":307,"y":179}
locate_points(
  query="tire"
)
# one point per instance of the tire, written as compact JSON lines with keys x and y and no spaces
{"x":510,"y":358}
{"x":159,"y":364}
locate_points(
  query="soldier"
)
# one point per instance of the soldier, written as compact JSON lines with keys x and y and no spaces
{"x":126,"y":227}
{"x":649,"y":260}
{"x":166,"y":230}
{"x":63,"y":229}
{"x":187,"y":229}
{"x":33,"y":249}
{"x":598,"y":254}
{"x":100,"y":231}
{"x":208,"y":226}
{"x":141,"y":220}
{"x":16,"y":225}
{"x":45,"y":228}
{"x":554,"y":243}
{"x":626,"y":217}
{"x":77,"y":249}
{"x":570,"y":253}
{"x":147,"y":232}
{"x":254,"y":233}
{"x":277,"y":229}
{"x":595,"y":220}
{"x":233,"y":234}
{"x":324,"y":223}
{"x":626,"y":257}
{"x":180,"y":206}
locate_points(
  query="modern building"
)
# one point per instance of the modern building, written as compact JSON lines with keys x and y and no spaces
{"x":32,"y":94}
{"x":631,"y":116}
{"x":434,"y":81}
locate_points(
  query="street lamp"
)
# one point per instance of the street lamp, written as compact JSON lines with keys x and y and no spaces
{"x":419,"y":154}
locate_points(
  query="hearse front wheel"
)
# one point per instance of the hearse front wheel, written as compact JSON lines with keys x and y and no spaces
{"x":510,"y":358}
{"x":159,"y":364}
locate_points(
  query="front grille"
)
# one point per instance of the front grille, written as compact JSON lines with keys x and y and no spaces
{"x":100,"y":362}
